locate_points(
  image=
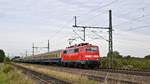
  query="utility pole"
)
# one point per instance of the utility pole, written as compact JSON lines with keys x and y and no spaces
{"x":26,"y":53}
{"x":110,"y":43}
{"x":33,"y":49}
{"x":84,"y":33}
{"x":110,"y":32}
{"x":110,"y":40}
{"x":80,"y":27}
{"x":48,"y":47}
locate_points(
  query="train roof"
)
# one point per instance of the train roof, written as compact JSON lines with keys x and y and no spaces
{"x":56,"y":51}
{"x":80,"y":45}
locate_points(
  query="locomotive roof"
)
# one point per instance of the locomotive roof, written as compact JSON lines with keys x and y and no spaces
{"x":79,"y":45}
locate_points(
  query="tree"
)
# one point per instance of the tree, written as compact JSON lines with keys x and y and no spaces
{"x":147,"y":57}
{"x":6,"y":60}
{"x":128,"y":57}
{"x":2,"y":55}
{"x":115,"y":54}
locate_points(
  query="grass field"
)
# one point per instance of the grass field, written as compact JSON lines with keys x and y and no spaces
{"x":9,"y":75}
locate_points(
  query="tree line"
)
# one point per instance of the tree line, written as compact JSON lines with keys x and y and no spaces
{"x":126,"y":62}
{"x":3,"y":57}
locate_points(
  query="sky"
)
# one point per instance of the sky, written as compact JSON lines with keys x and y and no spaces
{"x":24,"y":22}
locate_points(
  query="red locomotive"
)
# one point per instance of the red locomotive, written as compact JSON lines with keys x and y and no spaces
{"x":81,"y":55}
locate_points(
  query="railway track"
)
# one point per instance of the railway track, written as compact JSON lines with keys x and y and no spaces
{"x":39,"y":77}
{"x":121,"y":71}
{"x":112,"y":76}
{"x":126,"y":71}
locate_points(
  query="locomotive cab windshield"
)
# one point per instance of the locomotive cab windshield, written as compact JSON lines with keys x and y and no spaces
{"x":91,"y":49}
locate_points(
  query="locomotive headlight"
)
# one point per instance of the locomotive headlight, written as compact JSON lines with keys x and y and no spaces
{"x":88,"y":56}
{"x":95,"y":56}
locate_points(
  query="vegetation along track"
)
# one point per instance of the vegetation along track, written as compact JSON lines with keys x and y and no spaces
{"x":39,"y":77}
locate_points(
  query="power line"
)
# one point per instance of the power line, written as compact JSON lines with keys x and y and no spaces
{"x":145,"y":6}
{"x":99,"y":8}
{"x":78,"y":35}
{"x":100,"y":36}
{"x":140,"y":27}
{"x":133,"y":20}
{"x":60,"y":29}
{"x":103,"y":6}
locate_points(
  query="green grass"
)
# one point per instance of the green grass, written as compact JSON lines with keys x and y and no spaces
{"x":9,"y":75}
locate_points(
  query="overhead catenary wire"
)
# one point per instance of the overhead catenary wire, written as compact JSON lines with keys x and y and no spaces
{"x":133,"y":20}
{"x":136,"y":10}
{"x":103,"y":6}
{"x":130,"y":20}
{"x":61,"y":28}
{"x":77,"y":34}
{"x":97,"y":10}
{"x":139,"y":27}
{"x":100,"y":36}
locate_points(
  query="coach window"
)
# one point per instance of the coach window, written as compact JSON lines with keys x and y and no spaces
{"x":76,"y":50}
{"x":71,"y":51}
{"x":65,"y":52}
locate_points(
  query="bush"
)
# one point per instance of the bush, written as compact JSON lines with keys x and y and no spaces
{"x":6,"y":60}
{"x":147,"y":57}
{"x":7,"y":69}
{"x":104,"y":62}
